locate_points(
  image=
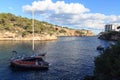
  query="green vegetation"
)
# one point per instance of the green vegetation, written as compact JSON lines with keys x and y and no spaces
{"x":12,"y":23}
{"x":79,"y":32}
{"x":107,"y":65}
{"x":109,"y":35}
{"x":62,"y":31}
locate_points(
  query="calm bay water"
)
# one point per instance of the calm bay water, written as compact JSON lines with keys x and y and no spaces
{"x":70,"y":58}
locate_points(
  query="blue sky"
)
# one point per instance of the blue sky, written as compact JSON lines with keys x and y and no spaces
{"x":78,"y":14}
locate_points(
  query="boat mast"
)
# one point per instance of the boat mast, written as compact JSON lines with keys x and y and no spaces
{"x":33,"y":29}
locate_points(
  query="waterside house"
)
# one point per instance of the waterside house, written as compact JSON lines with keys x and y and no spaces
{"x":112,"y":32}
{"x":111,"y":27}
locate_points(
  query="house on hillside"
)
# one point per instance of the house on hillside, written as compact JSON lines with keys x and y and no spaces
{"x":111,"y":27}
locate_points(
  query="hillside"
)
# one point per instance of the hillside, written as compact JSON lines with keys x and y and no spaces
{"x":19,"y":28}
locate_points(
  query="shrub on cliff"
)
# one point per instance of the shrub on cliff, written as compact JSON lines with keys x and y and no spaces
{"x":107,"y":65}
{"x":79,"y":32}
{"x":62,"y":31}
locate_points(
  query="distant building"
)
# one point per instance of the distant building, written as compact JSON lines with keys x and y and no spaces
{"x":111,"y":27}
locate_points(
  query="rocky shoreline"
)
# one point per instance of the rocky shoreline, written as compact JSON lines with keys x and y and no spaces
{"x":48,"y":37}
{"x":110,"y":36}
{"x":13,"y":36}
{"x":6,"y":35}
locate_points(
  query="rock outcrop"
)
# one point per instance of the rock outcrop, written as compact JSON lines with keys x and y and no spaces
{"x":13,"y":36}
{"x":112,"y":36}
{"x":73,"y":32}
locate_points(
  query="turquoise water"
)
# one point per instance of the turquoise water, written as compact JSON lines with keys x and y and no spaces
{"x":70,"y":58}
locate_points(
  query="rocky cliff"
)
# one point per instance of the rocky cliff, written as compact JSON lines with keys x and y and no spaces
{"x":112,"y":36}
{"x":73,"y":32}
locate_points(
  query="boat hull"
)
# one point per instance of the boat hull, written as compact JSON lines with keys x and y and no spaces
{"x":28,"y":65}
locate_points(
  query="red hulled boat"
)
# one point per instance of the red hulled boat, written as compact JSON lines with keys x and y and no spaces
{"x":29,"y":63}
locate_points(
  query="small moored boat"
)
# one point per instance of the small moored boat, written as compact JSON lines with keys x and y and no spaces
{"x":34,"y":62}
{"x":30,"y":63}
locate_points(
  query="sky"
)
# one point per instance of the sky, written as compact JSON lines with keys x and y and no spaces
{"x":76,"y":14}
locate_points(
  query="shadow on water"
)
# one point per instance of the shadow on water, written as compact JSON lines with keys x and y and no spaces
{"x":15,"y":70}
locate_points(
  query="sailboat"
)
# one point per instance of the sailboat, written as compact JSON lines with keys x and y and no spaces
{"x":35,"y":62}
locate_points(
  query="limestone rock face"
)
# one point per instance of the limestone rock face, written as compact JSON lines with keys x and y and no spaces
{"x":72,"y":32}
{"x":13,"y":36}
{"x":6,"y":35}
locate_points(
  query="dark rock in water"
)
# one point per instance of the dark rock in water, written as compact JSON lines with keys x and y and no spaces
{"x":100,"y":48}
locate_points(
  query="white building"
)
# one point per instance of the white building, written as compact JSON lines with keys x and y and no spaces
{"x":111,"y":27}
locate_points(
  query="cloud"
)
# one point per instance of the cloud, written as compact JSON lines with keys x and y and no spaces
{"x":59,"y":7}
{"x":75,"y":15}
